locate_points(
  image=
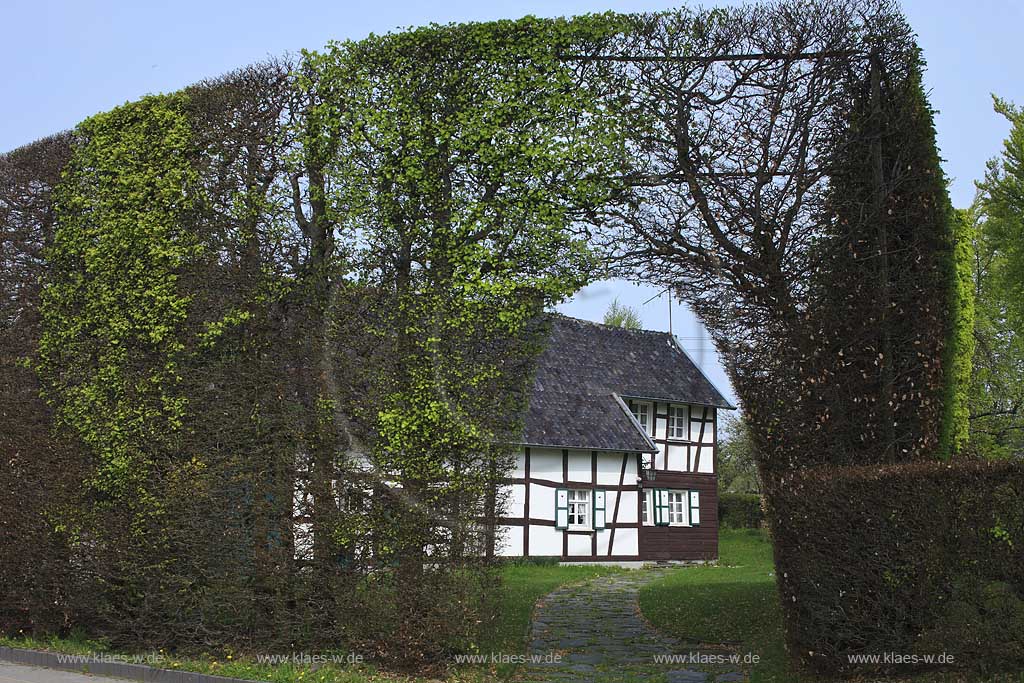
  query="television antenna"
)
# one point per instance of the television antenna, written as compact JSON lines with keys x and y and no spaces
{"x":702,"y":334}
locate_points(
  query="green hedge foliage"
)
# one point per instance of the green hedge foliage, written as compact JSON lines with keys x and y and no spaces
{"x":258,"y":378}
{"x":740,"y":510}
{"x":923,"y":558}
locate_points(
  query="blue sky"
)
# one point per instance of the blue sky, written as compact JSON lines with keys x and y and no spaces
{"x":62,"y":61}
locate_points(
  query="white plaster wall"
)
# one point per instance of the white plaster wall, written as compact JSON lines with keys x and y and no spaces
{"x":519,"y":470}
{"x":707,"y":460}
{"x":602,"y":542}
{"x":511,"y":541}
{"x":709,"y":428}
{"x":693,"y":413}
{"x":627,"y":508}
{"x":609,"y":504}
{"x":579,"y":545}
{"x":516,"y":500}
{"x":677,"y":457}
{"x":579,"y":466}
{"x":626,"y":542}
{"x":609,"y":467}
{"x":660,"y":424}
{"x":505,"y":495}
{"x":631,"y":470}
{"x":546,"y":463}
{"x":707,"y":451}
{"x":303,"y":532}
{"x":545,"y":540}
{"x":542,"y":502}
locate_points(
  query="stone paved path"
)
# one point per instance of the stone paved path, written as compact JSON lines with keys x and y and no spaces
{"x":20,"y":673}
{"x":595,"y":632}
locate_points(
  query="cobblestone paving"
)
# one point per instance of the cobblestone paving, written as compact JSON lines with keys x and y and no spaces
{"x":593,"y":631}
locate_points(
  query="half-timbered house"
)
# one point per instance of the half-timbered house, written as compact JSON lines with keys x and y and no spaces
{"x":617,"y":459}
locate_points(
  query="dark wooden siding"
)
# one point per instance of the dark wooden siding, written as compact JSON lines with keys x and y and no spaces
{"x":684,"y":543}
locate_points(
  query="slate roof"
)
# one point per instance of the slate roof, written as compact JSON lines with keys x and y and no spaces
{"x":583,"y":368}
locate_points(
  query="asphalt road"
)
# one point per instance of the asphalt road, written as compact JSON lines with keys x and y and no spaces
{"x":19,"y":673}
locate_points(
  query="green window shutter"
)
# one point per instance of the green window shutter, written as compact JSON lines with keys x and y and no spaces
{"x":599,"y":509}
{"x":561,"y":508}
{"x":694,"y":508}
{"x":661,"y":516}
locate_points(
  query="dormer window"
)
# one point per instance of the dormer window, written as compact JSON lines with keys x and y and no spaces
{"x":642,"y":412}
{"x":678,"y":422}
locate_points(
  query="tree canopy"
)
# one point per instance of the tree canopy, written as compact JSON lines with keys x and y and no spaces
{"x":996,"y":224}
{"x":620,"y":315}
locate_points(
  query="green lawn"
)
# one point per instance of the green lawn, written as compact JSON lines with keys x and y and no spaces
{"x":521,"y":586}
{"x":734,"y":602}
{"x":737,"y":603}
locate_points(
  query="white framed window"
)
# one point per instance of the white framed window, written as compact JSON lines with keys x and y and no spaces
{"x":642,"y":412}
{"x":646,"y":518}
{"x":665,"y":507}
{"x":579,"y":509}
{"x":678,"y":422}
{"x":678,"y":508}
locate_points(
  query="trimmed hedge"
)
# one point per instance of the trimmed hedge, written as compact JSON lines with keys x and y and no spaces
{"x":740,"y":511}
{"x":921,"y":558}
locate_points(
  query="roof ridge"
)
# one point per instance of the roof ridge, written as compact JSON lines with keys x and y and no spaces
{"x":609,"y":327}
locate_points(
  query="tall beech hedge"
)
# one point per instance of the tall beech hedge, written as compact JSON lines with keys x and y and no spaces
{"x":37,"y":584}
{"x":924,"y":558}
{"x":267,"y":340}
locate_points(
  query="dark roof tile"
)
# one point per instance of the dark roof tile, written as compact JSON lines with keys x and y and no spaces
{"x":584,"y":366}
